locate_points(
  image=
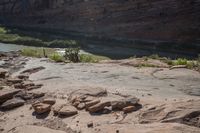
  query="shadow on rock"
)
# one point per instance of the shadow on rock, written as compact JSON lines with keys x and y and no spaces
{"x":41,"y":116}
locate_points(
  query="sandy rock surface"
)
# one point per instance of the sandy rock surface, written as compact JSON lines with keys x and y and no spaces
{"x":102,"y":98}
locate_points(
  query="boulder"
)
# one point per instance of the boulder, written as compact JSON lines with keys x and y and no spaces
{"x":6,"y":94}
{"x":99,"y":107}
{"x":13,"y":103}
{"x":120,"y":104}
{"x":49,"y":101}
{"x":41,"y":108}
{"x":67,"y":111}
{"x":3,"y":73}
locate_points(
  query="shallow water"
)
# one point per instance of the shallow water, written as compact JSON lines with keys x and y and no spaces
{"x":10,"y":47}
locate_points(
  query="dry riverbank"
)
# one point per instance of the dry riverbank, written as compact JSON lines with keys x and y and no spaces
{"x":160,"y":99}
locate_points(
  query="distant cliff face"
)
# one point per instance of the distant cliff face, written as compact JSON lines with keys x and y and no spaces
{"x":170,"y":20}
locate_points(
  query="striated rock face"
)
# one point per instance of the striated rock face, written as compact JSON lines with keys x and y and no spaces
{"x":167,"y":20}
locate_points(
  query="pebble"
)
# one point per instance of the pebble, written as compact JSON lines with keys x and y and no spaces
{"x":90,"y":125}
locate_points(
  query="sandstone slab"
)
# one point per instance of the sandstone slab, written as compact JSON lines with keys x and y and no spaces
{"x":91,"y":103}
{"x":13,"y":103}
{"x":6,"y":94}
{"x":120,"y":104}
{"x":98,"y":107}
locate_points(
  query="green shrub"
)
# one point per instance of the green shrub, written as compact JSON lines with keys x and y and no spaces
{"x":62,"y":43}
{"x":30,"y":52}
{"x":198,"y":59}
{"x":191,"y":64}
{"x":2,"y":30}
{"x":88,"y":58}
{"x":72,"y":54}
{"x":37,"y":52}
{"x":166,"y":60}
{"x":180,"y":61}
{"x":56,"y":57}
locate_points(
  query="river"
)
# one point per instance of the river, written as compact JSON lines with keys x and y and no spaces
{"x":10,"y":47}
{"x":108,"y":51}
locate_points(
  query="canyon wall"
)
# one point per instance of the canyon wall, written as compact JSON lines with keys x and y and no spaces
{"x":163,"y":20}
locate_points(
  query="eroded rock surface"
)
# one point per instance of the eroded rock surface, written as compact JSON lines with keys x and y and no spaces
{"x":185,"y":112}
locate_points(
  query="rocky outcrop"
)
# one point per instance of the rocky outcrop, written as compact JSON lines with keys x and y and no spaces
{"x":171,"y":20}
{"x":184,"y":112}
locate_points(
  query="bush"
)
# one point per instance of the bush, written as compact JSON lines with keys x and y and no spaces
{"x":180,"y":61}
{"x":198,"y":59}
{"x":72,"y":54}
{"x":88,"y":58}
{"x":37,"y":52}
{"x":56,"y":57}
{"x":30,"y":52}
{"x":2,"y":30}
{"x":62,"y":43}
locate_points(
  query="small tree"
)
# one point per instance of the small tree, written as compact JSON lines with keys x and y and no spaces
{"x":72,"y":54}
